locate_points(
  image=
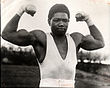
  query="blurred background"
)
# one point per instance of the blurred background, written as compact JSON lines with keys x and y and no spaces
{"x":19,"y":66}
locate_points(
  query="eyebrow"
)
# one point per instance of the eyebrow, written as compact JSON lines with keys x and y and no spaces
{"x":61,"y":19}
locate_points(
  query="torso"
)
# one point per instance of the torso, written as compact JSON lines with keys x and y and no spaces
{"x":54,"y":65}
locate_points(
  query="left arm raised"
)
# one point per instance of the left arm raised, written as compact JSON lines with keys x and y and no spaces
{"x":95,"y":39}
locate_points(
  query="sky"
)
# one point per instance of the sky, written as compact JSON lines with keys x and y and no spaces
{"x":98,"y":10}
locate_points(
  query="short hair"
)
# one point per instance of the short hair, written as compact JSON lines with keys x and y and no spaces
{"x":58,"y":8}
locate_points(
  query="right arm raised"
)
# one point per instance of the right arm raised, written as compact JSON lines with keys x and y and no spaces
{"x":21,"y":37}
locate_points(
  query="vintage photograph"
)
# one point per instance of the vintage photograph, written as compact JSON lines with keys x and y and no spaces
{"x":55,"y":43}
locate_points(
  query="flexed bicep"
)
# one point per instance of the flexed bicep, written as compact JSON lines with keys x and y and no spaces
{"x":21,"y":37}
{"x":90,"y":43}
{"x":10,"y":33}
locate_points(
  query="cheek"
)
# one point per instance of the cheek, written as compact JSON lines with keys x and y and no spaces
{"x":53,"y":24}
{"x":67,"y":24}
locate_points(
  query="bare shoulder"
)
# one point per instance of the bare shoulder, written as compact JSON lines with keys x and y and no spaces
{"x":38,"y":35}
{"x":77,"y":37}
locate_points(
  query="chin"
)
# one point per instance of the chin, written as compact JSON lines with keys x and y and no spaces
{"x":61,"y":33}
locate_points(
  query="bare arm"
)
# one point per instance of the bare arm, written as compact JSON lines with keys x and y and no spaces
{"x":95,"y":39}
{"x":10,"y":33}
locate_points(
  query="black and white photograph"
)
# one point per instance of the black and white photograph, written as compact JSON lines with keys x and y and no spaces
{"x":55,"y":43}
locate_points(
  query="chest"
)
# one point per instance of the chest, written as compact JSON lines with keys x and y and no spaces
{"x":62,"y":47}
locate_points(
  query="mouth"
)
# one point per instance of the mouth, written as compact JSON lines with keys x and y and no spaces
{"x":61,"y":28}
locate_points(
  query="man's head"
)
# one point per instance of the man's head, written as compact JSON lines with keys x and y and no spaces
{"x":58,"y":19}
{"x":58,"y":8}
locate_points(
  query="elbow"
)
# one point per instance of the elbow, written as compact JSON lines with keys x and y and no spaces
{"x":102,"y":44}
{"x":4,"y":35}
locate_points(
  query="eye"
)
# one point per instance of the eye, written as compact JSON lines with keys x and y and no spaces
{"x":65,"y":20}
{"x":56,"y":20}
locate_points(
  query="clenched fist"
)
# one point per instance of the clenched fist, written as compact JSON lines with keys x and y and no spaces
{"x":29,"y":9}
{"x":83,"y":17}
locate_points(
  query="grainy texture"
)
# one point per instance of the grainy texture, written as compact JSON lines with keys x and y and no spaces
{"x":28,"y":76}
{"x":19,"y":76}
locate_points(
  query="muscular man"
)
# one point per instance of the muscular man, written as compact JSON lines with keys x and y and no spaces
{"x":56,"y":51}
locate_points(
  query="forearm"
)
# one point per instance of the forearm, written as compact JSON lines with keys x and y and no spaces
{"x":95,"y":33}
{"x":12,"y":25}
{"x":94,"y":30}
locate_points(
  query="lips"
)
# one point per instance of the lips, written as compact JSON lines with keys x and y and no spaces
{"x":61,"y":28}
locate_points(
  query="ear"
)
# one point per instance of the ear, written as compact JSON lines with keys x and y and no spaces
{"x":49,"y":22}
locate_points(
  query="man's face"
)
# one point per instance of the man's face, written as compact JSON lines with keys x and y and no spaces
{"x":59,"y":23}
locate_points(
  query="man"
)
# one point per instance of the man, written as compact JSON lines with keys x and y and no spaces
{"x":56,"y":51}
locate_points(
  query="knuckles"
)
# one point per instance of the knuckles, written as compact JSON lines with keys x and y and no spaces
{"x":81,"y":16}
{"x":30,"y":9}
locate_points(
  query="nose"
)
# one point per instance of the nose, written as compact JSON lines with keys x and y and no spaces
{"x":61,"y":23}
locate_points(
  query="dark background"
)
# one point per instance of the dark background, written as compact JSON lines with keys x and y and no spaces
{"x":20,"y":69}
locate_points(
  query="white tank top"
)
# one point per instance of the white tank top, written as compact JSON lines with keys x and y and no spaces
{"x":54,"y":66}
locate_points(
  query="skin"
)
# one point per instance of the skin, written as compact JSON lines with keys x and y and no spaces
{"x":58,"y":24}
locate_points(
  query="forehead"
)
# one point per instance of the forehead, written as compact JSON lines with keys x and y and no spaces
{"x":61,"y":15}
